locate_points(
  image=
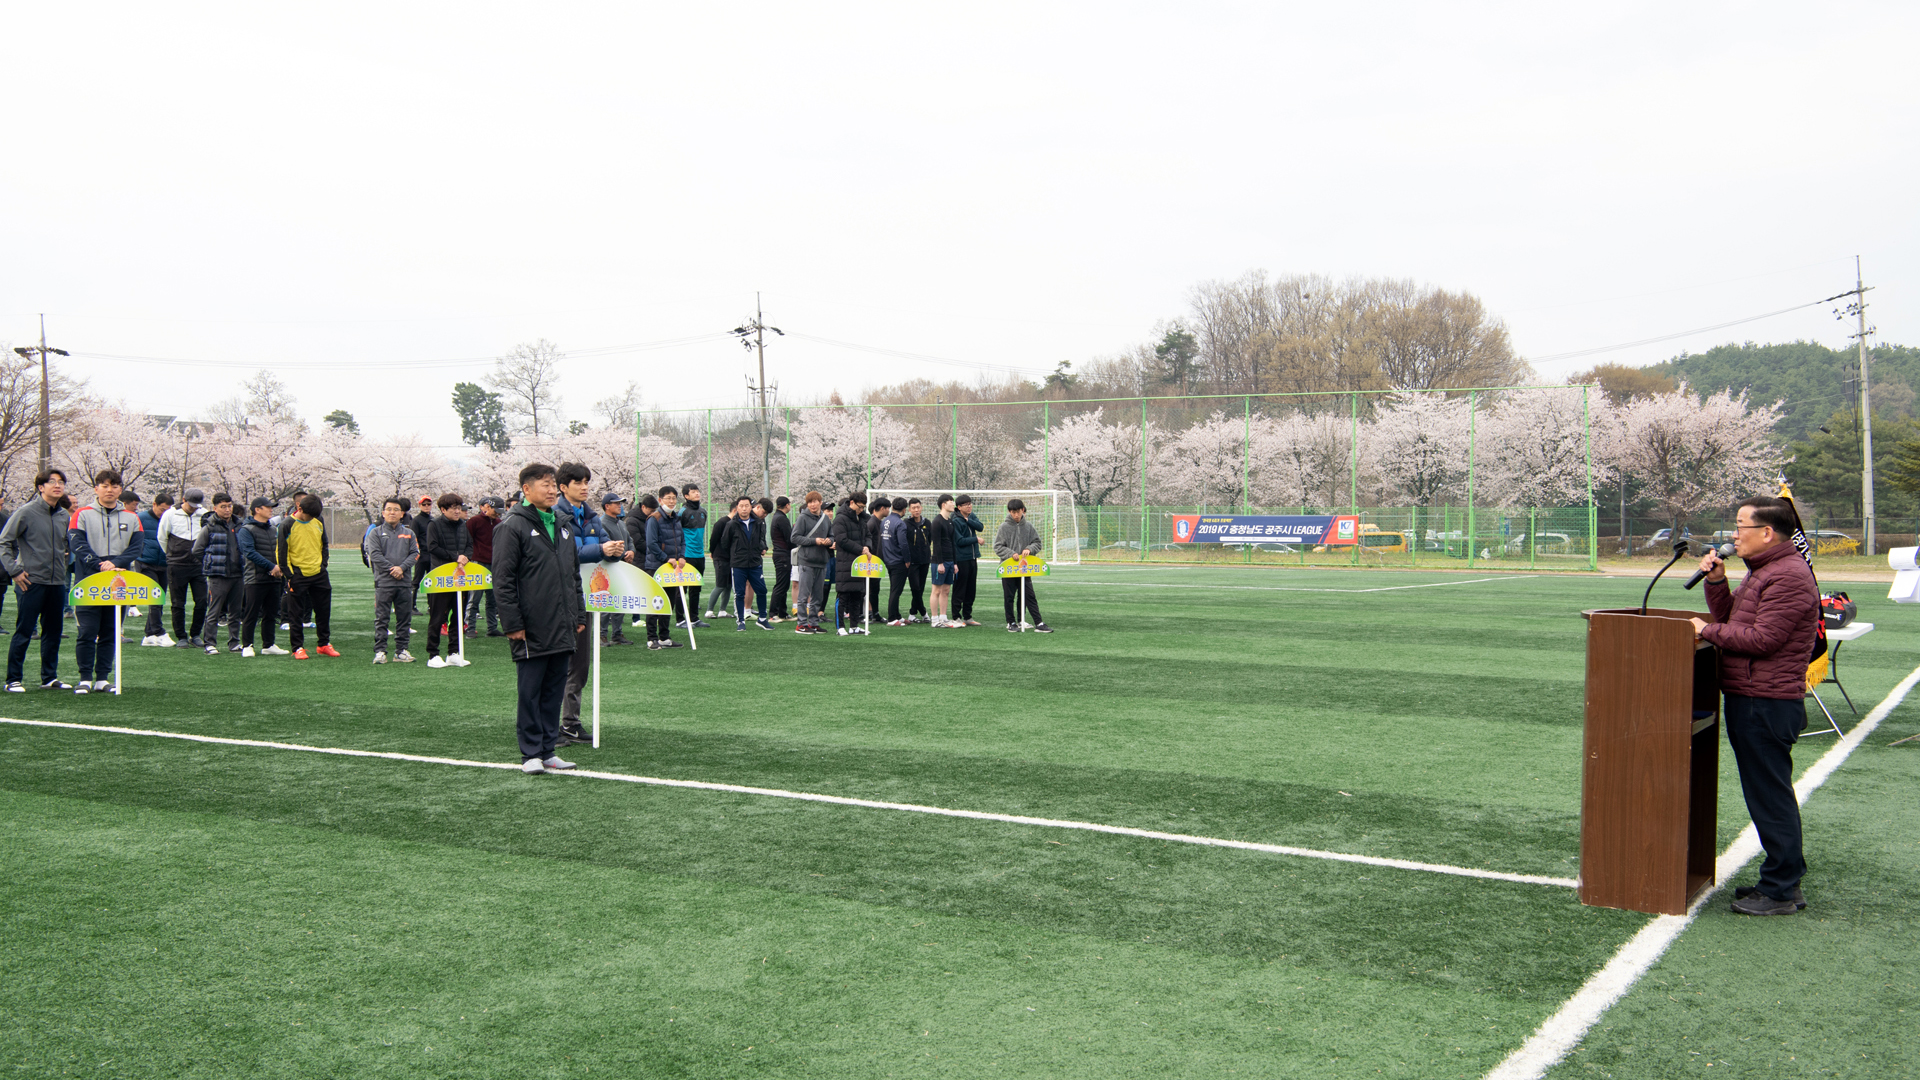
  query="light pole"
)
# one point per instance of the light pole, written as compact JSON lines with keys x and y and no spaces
{"x":46,"y":432}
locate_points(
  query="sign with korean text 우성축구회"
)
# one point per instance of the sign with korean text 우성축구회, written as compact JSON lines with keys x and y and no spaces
{"x":1329,"y":529}
{"x":448,"y":577}
{"x":623,"y":588}
{"x":117,"y":588}
{"x":1023,"y":566}
{"x":869,"y":567}
{"x":686,"y":577}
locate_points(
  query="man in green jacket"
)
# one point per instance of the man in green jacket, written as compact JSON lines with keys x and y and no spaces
{"x":536,"y":577}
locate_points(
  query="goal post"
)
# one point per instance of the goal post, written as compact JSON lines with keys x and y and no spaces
{"x":1051,"y":512}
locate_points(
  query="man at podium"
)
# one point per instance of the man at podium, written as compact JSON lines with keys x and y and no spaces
{"x":1765,"y":633}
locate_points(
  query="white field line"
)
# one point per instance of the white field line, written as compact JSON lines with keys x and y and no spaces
{"x":1288,"y":588}
{"x":1565,"y":1028}
{"x":841,"y":800}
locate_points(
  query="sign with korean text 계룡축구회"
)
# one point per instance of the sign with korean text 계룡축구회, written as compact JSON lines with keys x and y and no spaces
{"x":448,"y":577}
{"x":623,"y":588}
{"x":1329,"y":529}
{"x":117,"y":588}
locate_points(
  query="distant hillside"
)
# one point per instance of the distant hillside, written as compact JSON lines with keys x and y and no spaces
{"x":1811,"y":379}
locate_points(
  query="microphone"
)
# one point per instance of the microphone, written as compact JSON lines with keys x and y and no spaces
{"x":1725,"y":551}
{"x":1680,"y":547}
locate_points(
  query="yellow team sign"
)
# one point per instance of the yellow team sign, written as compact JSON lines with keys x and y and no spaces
{"x":1023,"y":566}
{"x":623,"y":588}
{"x":117,"y":588}
{"x":868,"y":566}
{"x":448,"y":577}
{"x":669,"y":578}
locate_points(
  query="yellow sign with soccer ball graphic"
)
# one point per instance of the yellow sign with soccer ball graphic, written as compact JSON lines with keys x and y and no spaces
{"x":624,"y":589}
{"x":452,"y":577}
{"x":1024,"y":566}
{"x":117,"y":588}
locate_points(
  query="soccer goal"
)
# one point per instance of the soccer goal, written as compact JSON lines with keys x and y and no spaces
{"x":1050,"y":512}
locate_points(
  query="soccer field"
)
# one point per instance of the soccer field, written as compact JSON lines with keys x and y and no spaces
{"x":201,"y":909}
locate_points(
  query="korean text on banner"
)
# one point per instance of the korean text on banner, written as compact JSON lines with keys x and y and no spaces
{"x":1329,"y":529}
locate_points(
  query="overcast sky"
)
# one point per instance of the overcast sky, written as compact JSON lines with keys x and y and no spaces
{"x":335,"y":191}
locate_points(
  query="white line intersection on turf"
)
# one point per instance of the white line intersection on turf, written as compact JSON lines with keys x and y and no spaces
{"x":1570,"y":1023}
{"x":839,"y":800}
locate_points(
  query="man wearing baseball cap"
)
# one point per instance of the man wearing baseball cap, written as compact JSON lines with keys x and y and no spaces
{"x":480,"y":525}
{"x":613,"y":519}
{"x":420,"y":521}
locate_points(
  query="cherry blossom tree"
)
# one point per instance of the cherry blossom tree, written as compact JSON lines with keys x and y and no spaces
{"x":364,"y":472}
{"x":1304,"y":459}
{"x":1416,"y":447}
{"x":1097,"y":461}
{"x":1691,"y":455}
{"x":832,"y":452}
{"x":272,"y":458}
{"x":1531,"y":448}
{"x":1206,"y":465}
{"x":116,"y":438}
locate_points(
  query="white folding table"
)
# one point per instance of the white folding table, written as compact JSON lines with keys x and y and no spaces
{"x":1850,"y":632}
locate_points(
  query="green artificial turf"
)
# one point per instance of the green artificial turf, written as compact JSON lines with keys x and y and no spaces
{"x":1438,"y":723}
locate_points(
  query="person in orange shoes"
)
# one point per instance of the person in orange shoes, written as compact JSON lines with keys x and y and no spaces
{"x":301,"y":552}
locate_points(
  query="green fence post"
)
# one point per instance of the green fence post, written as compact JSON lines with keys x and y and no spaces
{"x":1143,"y":479}
{"x":1353,"y":468}
{"x":787,"y":415}
{"x":868,"y":481}
{"x":1593,"y":513}
{"x":953,"y":479}
{"x":1046,"y":446}
{"x":708,"y":485}
{"x":1473,"y":418}
{"x":1533,"y":536}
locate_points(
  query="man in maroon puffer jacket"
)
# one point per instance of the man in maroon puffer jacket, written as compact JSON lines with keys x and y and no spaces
{"x":1765,"y":633}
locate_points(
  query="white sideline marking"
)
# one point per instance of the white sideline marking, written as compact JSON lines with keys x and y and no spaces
{"x":1292,"y":588}
{"x":1564,"y":1029}
{"x":841,"y":800}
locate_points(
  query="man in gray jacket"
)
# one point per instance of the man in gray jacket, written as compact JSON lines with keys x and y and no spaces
{"x":393,"y":551}
{"x":33,"y":550}
{"x":812,"y":542}
{"x":1017,"y":536}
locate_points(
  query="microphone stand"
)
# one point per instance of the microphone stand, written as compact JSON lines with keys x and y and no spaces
{"x":1679,"y":549}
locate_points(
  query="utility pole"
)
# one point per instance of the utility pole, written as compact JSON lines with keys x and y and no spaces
{"x":46,"y":432}
{"x":1858,"y":309}
{"x":753,"y":336}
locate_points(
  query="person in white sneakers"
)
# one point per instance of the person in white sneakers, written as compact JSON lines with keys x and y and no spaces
{"x":261,"y":604}
{"x":392,"y":551}
{"x":100,"y":537}
{"x":536,"y":576}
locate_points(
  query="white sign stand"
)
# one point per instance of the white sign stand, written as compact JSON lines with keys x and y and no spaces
{"x":117,"y":612}
{"x":460,"y":624}
{"x":1023,"y":604}
{"x":596,"y":680}
{"x":683,"y":607}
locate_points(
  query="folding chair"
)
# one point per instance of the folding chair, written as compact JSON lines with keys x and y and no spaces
{"x":1817,"y":674}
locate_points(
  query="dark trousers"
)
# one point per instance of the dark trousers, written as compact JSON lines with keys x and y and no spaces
{"x":966,"y":582}
{"x":477,"y":598}
{"x":577,"y":672}
{"x":543,"y":681}
{"x":180,"y":581}
{"x":849,"y":611}
{"x":42,"y":604}
{"x":261,"y":606}
{"x":896,"y":584}
{"x":155,"y":623}
{"x":312,"y":596}
{"x":692,"y":595}
{"x":392,"y":601}
{"x":723,"y":576}
{"x":1010,"y":594}
{"x":1762,"y":732}
{"x":782,"y":581}
{"x":440,"y":607}
{"x":744,"y":578}
{"x":93,"y":650}
{"x":224,"y":596}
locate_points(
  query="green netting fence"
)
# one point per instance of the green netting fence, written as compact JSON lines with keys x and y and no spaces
{"x":1440,"y":478}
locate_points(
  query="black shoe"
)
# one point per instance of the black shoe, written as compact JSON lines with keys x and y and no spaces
{"x":701,"y":624}
{"x":1042,"y":628}
{"x":1013,"y":628}
{"x":651,"y":644}
{"x":1761,"y":904}
{"x":188,"y":644}
{"x":575,"y":733}
{"x":496,"y":633}
{"x":740,"y":626}
{"x":1744,"y":891}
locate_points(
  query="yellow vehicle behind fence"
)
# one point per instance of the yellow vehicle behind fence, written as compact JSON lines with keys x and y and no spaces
{"x":1376,"y":541}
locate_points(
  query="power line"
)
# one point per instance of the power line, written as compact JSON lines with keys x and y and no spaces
{"x":1670,"y":337}
{"x":923,"y":357}
{"x":388,"y":365}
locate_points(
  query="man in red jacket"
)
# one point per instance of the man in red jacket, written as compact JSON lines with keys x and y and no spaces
{"x":1765,"y":633}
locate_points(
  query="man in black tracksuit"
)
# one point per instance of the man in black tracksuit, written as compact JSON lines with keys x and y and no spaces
{"x":780,"y":540}
{"x":263,"y":582}
{"x":849,"y":543}
{"x":420,"y":522}
{"x":536,"y":577}
{"x":448,"y":541}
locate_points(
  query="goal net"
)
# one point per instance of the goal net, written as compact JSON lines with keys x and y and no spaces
{"x":1050,"y":512}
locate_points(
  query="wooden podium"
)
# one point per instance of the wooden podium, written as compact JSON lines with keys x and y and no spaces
{"x":1650,"y":772}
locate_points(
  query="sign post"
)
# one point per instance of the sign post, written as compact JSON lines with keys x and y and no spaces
{"x":451,"y":577}
{"x":621,"y":589}
{"x":682,"y":579}
{"x":117,"y":589}
{"x":1023,"y":567}
{"x":867,"y":567}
